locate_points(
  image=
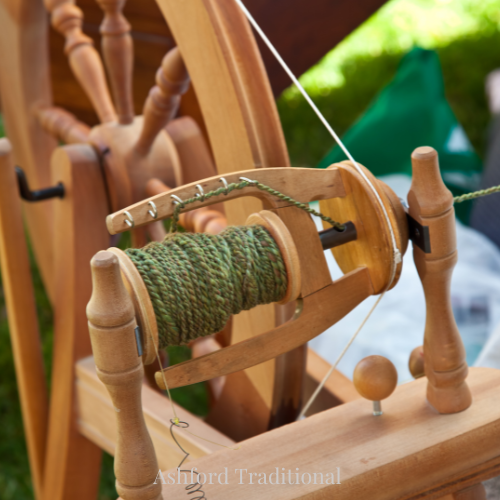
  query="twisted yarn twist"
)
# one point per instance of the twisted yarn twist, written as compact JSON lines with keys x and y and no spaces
{"x":242,"y":185}
{"x":476,"y":194}
{"x":197,"y":281}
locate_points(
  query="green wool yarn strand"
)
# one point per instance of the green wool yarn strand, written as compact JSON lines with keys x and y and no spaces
{"x":197,"y":281}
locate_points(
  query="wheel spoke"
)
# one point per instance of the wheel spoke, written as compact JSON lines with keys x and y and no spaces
{"x":84,"y":60}
{"x":172,"y":80}
{"x":63,"y":125}
{"x":118,"y":51}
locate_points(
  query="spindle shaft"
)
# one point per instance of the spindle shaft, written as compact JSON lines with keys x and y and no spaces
{"x":431,"y":205}
{"x":112,"y":330}
{"x":84,"y":60}
{"x":118,"y":51}
{"x":172,"y":80}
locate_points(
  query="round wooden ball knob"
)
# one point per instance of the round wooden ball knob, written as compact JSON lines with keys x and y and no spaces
{"x":375,"y":378}
{"x":416,"y":362}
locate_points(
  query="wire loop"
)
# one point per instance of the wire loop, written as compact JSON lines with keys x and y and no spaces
{"x":154,"y":212}
{"x":176,"y":200}
{"x":201,"y":193}
{"x":223,"y":180}
{"x":129,"y":220}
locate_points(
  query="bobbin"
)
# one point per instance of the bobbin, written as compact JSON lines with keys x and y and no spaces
{"x":284,"y":240}
{"x":143,"y":306}
{"x":145,"y":316}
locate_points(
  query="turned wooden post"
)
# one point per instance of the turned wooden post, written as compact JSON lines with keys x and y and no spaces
{"x":64,"y":125}
{"x":112,"y":330}
{"x":172,"y":80}
{"x":84,"y":60}
{"x":118,"y":51}
{"x":431,"y":205}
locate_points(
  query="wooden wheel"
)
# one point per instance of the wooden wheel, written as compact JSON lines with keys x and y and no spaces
{"x":237,"y":107}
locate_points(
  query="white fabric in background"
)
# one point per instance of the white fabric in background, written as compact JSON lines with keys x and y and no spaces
{"x":396,"y":326}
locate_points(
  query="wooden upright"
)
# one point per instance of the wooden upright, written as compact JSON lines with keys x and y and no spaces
{"x":112,"y":323}
{"x":84,"y":60}
{"x":431,"y":205}
{"x":118,"y":52}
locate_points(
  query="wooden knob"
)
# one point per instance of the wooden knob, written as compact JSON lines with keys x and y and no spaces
{"x":416,"y":363}
{"x":375,"y":378}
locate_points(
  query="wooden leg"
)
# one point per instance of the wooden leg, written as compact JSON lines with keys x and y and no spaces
{"x":476,"y":492}
{"x":73,"y":463}
{"x":431,"y":205}
{"x":23,"y":324}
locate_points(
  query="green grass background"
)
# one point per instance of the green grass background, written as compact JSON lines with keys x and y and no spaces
{"x":465,"y":34}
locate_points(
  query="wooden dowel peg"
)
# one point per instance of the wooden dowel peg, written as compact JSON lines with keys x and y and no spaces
{"x":112,"y":330}
{"x":118,"y":51}
{"x":431,"y":205}
{"x":172,"y":80}
{"x":84,"y":60}
{"x":375,"y":378}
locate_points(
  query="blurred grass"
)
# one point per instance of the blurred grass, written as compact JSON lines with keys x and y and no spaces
{"x":465,"y":34}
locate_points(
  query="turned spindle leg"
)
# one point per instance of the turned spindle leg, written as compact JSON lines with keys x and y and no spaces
{"x":62,"y":125}
{"x":84,"y":60}
{"x":172,"y":80}
{"x":118,"y":52}
{"x":431,"y":206}
{"x":111,"y":325}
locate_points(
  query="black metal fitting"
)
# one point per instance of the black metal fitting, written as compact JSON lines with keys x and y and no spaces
{"x":332,"y":237}
{"x":39,"y":194}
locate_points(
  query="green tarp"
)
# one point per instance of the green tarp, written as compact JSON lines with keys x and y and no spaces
{"x":412,"y":111}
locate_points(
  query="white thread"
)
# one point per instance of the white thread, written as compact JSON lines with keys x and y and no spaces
{"x":327,"y":376}
{"x":395,"y":249}
{"x":396,"y":252}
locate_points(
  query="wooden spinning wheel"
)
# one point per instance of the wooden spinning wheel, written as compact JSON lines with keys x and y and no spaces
{"x":139,"y":157}
{"x":439,"y":448}
{"x":216,"y":47}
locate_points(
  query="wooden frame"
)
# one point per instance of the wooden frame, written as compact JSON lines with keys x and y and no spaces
{"x":244,"y":133}
{"x":55,"y":226}
{"x":411,"y":439}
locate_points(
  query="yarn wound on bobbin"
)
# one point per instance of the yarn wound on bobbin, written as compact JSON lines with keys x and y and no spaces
{"x":197,"y":281}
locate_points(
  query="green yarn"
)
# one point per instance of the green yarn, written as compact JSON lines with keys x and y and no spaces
{"x":197,"y":281}
{"x":476,"y":194}
{"x":241,"y":185}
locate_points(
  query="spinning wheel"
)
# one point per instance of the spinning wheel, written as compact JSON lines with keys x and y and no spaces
{"x":140,"y":158}
{"x":408,"y":451}
{"x":137,"y":155}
